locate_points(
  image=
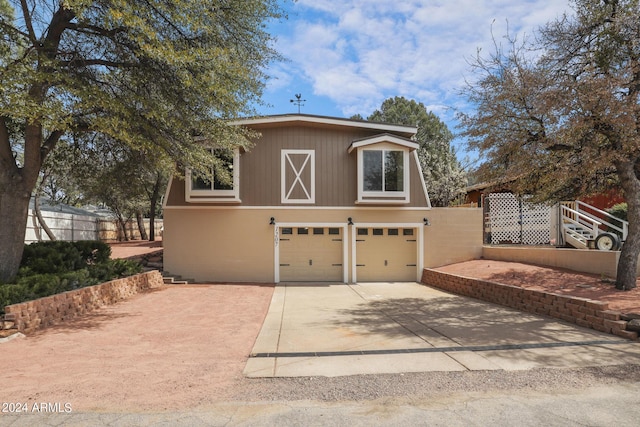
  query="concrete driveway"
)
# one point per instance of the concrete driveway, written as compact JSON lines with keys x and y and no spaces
{"x":338,"y":329}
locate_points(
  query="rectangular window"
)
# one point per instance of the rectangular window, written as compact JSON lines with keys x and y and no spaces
{"x":378,"y":231}
{"x":303,"y":230}
{"x":318,"y":231}
{"x":334,"y":231}
{"x":392,"y":232}
{"x":407,"y":231}
{"x":287,"y":230}
{"x":363,"y":231}
{"x":220,"y":184}
{"x":383,"y":171}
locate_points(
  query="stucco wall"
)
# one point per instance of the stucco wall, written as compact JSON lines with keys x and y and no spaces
{"x":583,"y":260}
{"x":455,"y":235}
{"x":237,"y":244}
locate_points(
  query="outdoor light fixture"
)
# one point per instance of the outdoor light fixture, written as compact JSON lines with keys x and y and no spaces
{"x":349,"y":221}
{"x":426,"y":221}
{"x":272,"y":221}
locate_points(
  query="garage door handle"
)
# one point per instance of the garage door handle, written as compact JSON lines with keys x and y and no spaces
{"x":360,"y":265}
{"x":310,"y":262}
{"x":411,"y":265}
{"x":336,"y":265}
{"x":285,"y":265}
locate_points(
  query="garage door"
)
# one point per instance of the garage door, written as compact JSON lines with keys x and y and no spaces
{"x":386,"y":254}
{"x":311,"y":254}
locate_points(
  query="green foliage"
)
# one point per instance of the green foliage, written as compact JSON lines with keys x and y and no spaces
{"x":49,"y":268}
{"x":619,"y":211}
{"x":59,"y":257}
{"x":444,"y":176}
{"x":150,"y":76}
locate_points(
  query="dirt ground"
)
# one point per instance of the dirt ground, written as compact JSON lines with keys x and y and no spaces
{"x":554,"y":280}
{"x":111,"y":360}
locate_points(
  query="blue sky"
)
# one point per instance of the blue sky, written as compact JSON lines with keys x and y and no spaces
{"x":347,"y":56}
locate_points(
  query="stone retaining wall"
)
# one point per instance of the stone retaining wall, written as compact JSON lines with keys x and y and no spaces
{"x":583,"y":312}
{"x":29,"y":316}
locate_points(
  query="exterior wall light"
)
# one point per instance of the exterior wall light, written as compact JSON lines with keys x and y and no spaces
{"x":272,"y":221}
{"x":426,"y":221}
{"x":349,"y":221}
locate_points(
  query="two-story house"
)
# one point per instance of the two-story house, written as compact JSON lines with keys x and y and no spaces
{"x":315,"y":199}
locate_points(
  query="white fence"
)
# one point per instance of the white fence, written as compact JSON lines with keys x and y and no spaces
{"x":73,"y":227}
{"x":64,"y":226}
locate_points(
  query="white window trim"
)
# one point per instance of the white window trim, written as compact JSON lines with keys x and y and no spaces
{"x":384,"y":196}
{"x":285,"y":163}
{"x":212,"y":195}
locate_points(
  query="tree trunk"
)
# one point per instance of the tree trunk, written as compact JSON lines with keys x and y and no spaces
{"x":14,"y":209}
{"x":41,"y":221}
{"x":152,"y":211}
{"x":141,"y":228}
{"x":628,"y":263}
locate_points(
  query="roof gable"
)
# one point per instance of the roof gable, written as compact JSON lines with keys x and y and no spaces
{"x":328,"y":122}
{"x":385,"y":137}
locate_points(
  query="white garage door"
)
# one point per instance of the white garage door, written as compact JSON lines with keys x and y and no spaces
{"x":386,"y":254}
{"x":311,"y":254}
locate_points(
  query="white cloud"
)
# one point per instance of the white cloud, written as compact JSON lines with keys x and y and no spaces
{"x":360,"y":52}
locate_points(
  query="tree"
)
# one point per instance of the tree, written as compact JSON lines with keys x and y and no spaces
{"x":150,"y":74}
{"x":560,"y":115}
{"x":443,"y":174}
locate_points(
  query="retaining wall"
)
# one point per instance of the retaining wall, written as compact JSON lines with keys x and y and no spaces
{"x":583,"y":312}
{"x":29,"y":316}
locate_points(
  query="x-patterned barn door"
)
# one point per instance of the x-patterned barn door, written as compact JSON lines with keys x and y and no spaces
{"x":298,"y":176}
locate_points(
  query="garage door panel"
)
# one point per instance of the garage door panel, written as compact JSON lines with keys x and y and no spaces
{"x":386,"y":255}
{"x":311,"y":254}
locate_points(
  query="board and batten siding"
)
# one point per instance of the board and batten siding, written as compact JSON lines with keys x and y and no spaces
{"x":335,"y":169}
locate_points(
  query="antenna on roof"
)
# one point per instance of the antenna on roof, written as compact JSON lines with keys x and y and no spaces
{"x":298,"y":101}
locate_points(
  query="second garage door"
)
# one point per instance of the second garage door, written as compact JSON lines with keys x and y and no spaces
{"x":311,"y":254}
{"x":386,"y":254}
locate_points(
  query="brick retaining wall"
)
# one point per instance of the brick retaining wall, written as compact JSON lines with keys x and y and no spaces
{"x":583,"y":312}
{"x":32,"y":315}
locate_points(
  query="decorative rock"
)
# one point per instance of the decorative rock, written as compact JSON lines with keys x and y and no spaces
{"x":629,"y":316}
{"x":633,"y":325}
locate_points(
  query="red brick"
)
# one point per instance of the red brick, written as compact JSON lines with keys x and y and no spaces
{"x":615,"y":324}
{"x":610,"y":315}
{"x":595,"y":320}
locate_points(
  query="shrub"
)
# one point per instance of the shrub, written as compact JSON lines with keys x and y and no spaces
{"x":619,"y":211}
{"x":49,"y":268}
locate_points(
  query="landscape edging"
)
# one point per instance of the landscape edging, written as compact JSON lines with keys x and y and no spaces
{"x":29,"y":316}
{"x":580,"y":311}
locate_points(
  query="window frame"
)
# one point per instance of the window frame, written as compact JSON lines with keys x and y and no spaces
{"x":212,"y":194}
{"x":386,"y":196}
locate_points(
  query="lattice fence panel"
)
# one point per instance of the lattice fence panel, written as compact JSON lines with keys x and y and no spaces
{"x":513,"y":221}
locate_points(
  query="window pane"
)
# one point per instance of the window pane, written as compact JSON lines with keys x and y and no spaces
{"x":318,"y":231}
{"x":226,"y":163}
{"x":372,"y":170}
{"x":393,"y":171}
{"x":200,"y":184}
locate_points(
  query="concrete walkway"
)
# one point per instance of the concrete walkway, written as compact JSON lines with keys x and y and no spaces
{"x":338,"y":329}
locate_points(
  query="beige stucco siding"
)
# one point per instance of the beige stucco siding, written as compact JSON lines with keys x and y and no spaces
{"x":455,"y":235}
{"x":237,"y":244}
